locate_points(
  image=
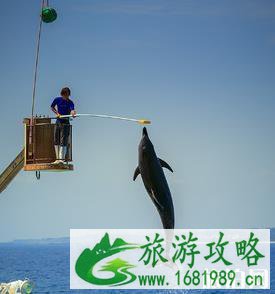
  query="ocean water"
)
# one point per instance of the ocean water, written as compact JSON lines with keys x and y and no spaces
{"x":48,"y":267}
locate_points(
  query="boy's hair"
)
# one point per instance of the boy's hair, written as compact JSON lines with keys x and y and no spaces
{"x":65,"y":91}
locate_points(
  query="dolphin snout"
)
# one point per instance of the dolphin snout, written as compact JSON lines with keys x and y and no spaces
{"x":144,"y":132}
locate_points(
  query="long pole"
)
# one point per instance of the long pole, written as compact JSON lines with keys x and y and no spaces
{"x":140,"y":121}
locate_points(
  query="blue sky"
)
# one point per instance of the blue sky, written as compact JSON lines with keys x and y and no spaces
{"x":202,"y":71}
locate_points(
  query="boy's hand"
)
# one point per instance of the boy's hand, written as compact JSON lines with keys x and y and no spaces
{"x":73,"y":113}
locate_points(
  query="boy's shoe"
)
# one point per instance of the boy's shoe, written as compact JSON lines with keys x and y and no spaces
{"x":58,"y":161}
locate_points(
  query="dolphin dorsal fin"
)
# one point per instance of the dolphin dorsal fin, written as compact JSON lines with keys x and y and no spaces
{"x":137,"y":172}
{"x":165,"y":164}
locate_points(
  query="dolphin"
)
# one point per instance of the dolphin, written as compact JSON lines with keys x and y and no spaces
{"x":150,"y":169}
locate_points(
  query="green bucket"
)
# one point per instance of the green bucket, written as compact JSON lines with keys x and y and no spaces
{"x":48,"y":14}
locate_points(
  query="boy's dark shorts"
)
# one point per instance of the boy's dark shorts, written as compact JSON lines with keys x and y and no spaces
{"x":61,"y":133}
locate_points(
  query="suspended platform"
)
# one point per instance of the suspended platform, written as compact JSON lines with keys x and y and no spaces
{"x":39,"y":146}
{"x":38,"y":153}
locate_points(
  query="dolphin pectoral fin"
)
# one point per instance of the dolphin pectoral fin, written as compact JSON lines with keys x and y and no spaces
{"x":165,"y":164}
{"x":137,"y":172}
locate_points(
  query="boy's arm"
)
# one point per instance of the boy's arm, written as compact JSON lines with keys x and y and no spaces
{"x":53,"y":107}
{"x":55,"y":111}
{"x":73,"y":112}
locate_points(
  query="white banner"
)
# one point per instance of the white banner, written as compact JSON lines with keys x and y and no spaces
{"x":169,"y":259}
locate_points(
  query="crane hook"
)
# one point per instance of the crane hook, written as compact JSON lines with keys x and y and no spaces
{"x":37,"y":174}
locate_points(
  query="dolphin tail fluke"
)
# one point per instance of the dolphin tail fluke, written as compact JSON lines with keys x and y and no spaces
{"x":165,"y":164}
{"x":137,"y":172}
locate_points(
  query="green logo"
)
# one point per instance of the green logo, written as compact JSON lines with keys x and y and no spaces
{"x":120,"y":269}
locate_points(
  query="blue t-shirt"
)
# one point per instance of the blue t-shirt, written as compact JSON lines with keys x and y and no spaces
{"x":64,"y":106}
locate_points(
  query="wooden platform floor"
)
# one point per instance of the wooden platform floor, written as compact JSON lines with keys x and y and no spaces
{"x":48,"y":167}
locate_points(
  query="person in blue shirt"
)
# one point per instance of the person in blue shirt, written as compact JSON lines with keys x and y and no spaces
{"x":62,"y":106}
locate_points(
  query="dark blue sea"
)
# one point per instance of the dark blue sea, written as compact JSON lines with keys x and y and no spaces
{"x":48,"y":267}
